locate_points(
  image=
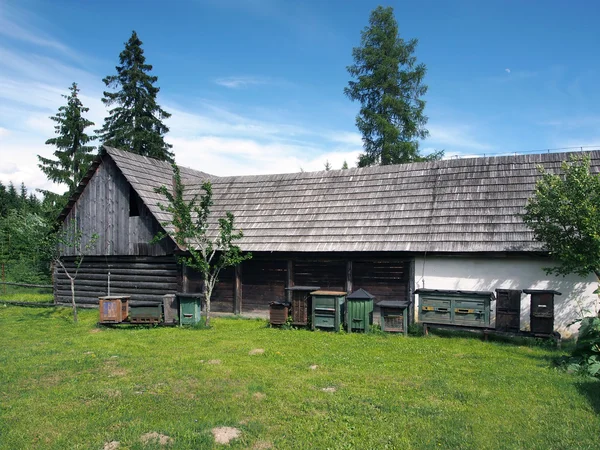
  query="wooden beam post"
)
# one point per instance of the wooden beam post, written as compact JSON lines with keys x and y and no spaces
{"x":289,"y":280}
{"x":348,"y":276}
{"x":184,"y":278}
{"x":410,"y":286}
{"x":237,"y":290}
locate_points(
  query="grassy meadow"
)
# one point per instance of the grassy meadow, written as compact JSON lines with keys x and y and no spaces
{"x":66,"y":385}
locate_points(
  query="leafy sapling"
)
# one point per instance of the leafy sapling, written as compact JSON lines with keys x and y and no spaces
{"x":68,"y":237}
{"x":189,"y":225}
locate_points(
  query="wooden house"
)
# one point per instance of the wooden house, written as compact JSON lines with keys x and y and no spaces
{"x":452,"y":224}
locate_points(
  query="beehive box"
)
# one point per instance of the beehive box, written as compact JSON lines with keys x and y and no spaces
{"x":278,"y":313}
{"x":145,"y":313}
{"x":113,"y":308}
{"x":327,"y":309}
{"x":450,"y":307}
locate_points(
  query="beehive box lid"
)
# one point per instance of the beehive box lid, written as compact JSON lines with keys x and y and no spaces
{"x":455,"y":292}
{"x":335,"y":293}
{"x":541,"y":291}
{"x":393,"y":304}
{"x":115,"y":297}
{"x":360,"y":294}
{"x":303,"y":288}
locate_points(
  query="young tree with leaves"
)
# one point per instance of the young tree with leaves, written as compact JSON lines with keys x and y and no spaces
{"x":388,"y":83}
{"x":73,"y":154}
{"x":564,"y":214}
{"x":70,"y":236}
{"x":208,"y":255}
{"x":136,"y":123}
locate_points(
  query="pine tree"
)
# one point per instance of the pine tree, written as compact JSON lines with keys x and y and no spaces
{"x":388,"y":83}
{"x":135,"y":124}
{"x":73,"y":156}
{"x":345,"y":165}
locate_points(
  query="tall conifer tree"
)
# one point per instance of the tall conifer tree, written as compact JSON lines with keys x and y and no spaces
{"x":388,"y":83}
{"x":135,"y":123}
{"x":73,"y":155}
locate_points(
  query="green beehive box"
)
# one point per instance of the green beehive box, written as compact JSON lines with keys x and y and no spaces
{"x":461,"y":308}
{"x":359,"y":311}
{"x":145,"y":313}
{"x":189,"y":308}
{"x":327,"y":309}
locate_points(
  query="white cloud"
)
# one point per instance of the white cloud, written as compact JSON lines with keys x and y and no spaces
{"x":507,"y":70}
{"x":242,"y":81}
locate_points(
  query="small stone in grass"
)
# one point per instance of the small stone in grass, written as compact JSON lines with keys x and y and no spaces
{"x":313,"y":367}
{"x":256,"y":351}
{"x":223,"y":435}
{"x":329,"y":389}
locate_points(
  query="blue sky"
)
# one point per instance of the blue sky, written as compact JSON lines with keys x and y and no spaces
{"x":256,"y":86}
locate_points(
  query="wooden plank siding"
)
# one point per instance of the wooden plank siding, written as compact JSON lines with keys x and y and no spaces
{"x":103,"y":209}
{"x":144,"y":278}
{"x":263,"y":282}
{"x":265,"y":277}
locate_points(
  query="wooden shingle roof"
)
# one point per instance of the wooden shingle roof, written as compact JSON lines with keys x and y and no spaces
{"x":458,"y":205}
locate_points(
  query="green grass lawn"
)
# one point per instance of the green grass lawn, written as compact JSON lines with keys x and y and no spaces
{"x":66,"y":385}
{"x":30,"y":295}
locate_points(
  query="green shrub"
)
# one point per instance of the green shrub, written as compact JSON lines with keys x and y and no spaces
{"x":585,"y":358}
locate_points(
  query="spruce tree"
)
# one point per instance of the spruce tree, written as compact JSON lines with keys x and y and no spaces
{"x":73,"y":155}
{"x":135,"y":123}
{"x":388,"y":83}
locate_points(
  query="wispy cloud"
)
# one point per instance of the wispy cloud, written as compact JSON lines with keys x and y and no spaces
{"x":224,"y":139}
{"x":242,"y":81}
{"x":17,"y":24}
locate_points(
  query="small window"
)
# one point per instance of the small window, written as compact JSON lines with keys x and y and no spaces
{"x":134,"y":203}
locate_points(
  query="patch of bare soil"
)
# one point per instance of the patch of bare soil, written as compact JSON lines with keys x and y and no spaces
{"x":313,"y":367}
{"x":156,"y":437}
{"x":262,"y":445}
{"x":214,"y":361}
{"x":329,"y":389}
{"x":259,"y":395}
{"x":223,"y":435}
{"x":112,"y":445}
{"x":96,"y":330}
{"x":256,"y":351}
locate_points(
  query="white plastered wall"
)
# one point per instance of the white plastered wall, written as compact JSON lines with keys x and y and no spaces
{"x":489,"y":274}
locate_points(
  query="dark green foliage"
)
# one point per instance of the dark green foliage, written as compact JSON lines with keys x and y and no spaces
{"x":564,"y":214}
{"x":327,"y":166}
{"x":190,"y":223}
{"x":345,"y":165}
{"x":388,"y":83}
{"x":586,"y":355}
{"x":135,"y":124}
{"x":22,"y":234}
{"x":73,"y":155}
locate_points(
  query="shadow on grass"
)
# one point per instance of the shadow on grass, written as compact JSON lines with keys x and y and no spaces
{"x":591,"y":390}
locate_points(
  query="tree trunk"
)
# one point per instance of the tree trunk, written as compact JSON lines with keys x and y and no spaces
{"x":73,"y":300}
{"x":207,"y":295}
{"x":597,"y":273}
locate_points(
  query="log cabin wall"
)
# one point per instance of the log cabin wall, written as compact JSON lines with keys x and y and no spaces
{"x":222,"y":296}
{"x":264,"y":277}
{"x":144,"y":278}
